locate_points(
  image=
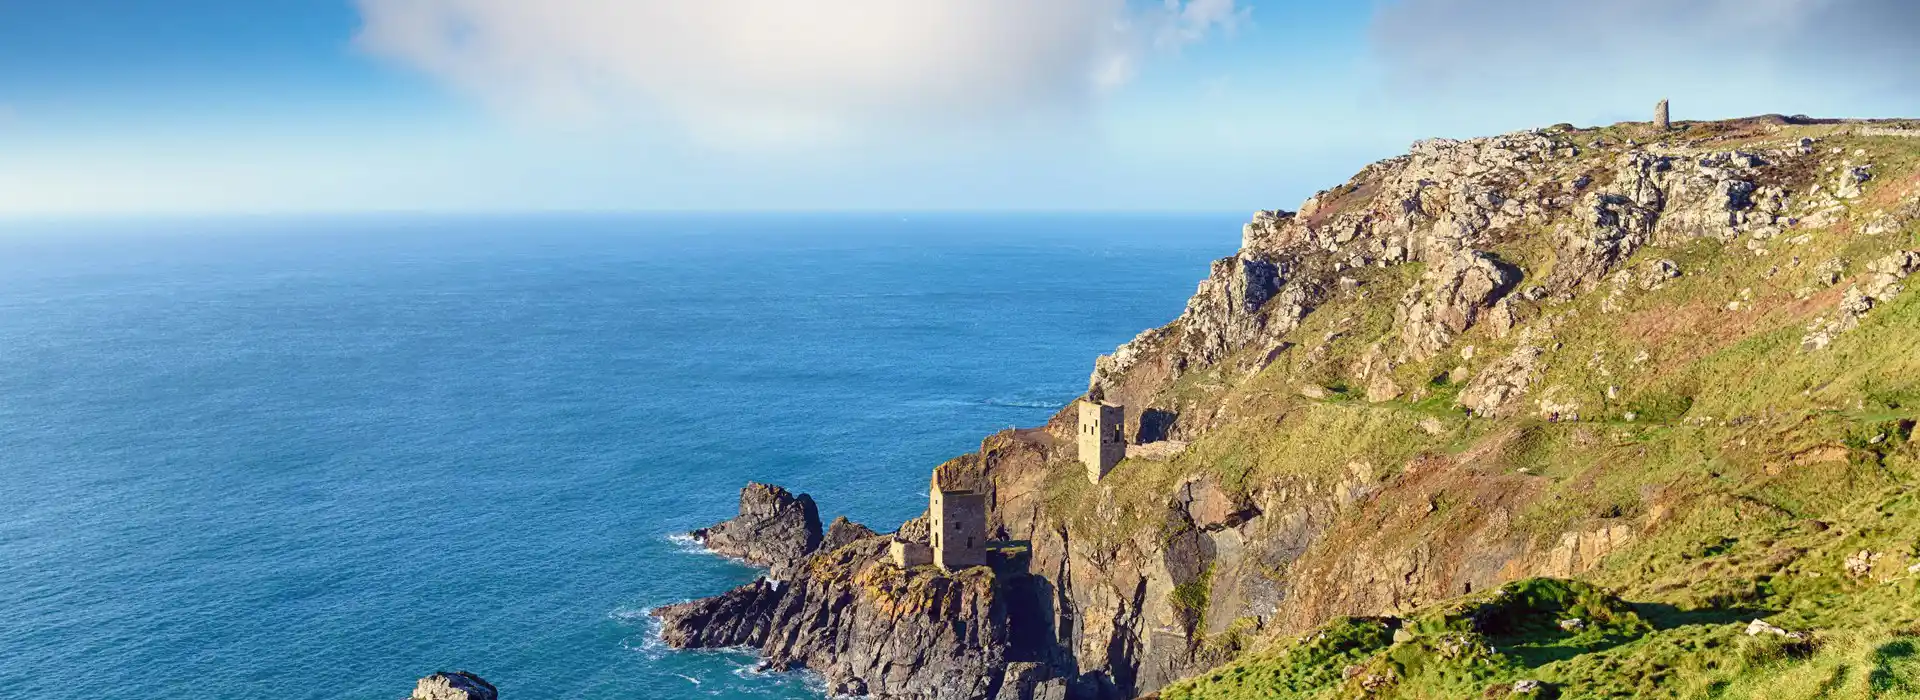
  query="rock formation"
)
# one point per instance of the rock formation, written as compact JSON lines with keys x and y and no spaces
{"x":457,"y":685}
{"x":775,"y":529}
{"x":866,"y":626}
{"x":844,"y":532}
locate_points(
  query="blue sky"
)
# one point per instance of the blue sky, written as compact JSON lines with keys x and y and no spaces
{"x":245,"y":106}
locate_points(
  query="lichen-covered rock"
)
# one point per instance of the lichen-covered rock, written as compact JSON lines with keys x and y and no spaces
{"x":456,"y":685}
{"x":844,"y":532}
{"x":1852,"y":178}
{"x":1860,"y":564}
{"x":1225,"y":313}
{"x":1610,"y":228}
{"x":774,"y":529}
{"x":915,"y":530}
{"x":1883,"y":281}
{"x":1450,"y":299}
{"x":1493,"y":393}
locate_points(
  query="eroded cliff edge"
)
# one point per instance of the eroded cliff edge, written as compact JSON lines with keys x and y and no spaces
{"x":1560,"y":352}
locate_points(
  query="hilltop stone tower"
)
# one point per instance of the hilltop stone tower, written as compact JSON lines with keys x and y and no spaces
{"x":1101,"y":443}
{"x":957,"y":525}
{"x":1662,"y":118}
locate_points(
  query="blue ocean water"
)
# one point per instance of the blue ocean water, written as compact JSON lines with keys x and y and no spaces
{"x":320,"y":458}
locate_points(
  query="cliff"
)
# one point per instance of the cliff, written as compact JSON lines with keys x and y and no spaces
{"x":1680,"y":365}
{"x":866,"y":626}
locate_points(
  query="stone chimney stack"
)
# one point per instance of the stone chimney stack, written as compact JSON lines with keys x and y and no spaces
{"x":1661,"y":119}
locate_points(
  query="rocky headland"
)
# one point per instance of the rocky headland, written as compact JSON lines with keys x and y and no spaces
{"x":1565,"y":411}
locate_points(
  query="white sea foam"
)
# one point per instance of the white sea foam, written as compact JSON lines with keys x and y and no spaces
{"x":1024,"y":403}
{"x":994,"y":401}
{"x":625,"y":614}
{"x":686,"y":544}
{"x":650,"y":642}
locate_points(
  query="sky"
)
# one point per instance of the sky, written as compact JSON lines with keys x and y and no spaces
{"x":131,"y":107}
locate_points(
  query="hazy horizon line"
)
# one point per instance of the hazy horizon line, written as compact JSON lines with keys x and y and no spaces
{"x":29,"y":217}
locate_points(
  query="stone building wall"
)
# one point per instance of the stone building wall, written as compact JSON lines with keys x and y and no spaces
{"x":1102,"y":444}
{"x":959,"y":529}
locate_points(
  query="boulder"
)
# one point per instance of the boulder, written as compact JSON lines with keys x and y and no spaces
{"x":1861,"y":563}
{"x":1852,"y":180}
{"x":1758,"y":628}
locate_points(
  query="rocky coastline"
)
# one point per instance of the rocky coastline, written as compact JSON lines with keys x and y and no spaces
{"x":1428,"y":313}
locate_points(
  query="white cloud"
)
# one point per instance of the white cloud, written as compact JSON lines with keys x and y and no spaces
{"x":1193,"y":20}
{"x":776,"y":70}
{"x":1775,"y":52}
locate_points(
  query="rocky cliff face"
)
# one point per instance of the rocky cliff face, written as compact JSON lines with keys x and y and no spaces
{"x":1478,"y":362}
{"x":775,"y":529}
{"x":868,"y":627}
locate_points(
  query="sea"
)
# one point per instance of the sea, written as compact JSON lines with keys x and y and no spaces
{"x":321,"y":457}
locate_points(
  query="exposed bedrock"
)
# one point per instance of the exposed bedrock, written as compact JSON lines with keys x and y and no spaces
{"x":870,"y":628}
{"x":455,"y":685}
{"x":774,"y":529}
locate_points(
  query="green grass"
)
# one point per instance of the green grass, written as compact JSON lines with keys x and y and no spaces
{"x":1748,"y":469}
{"x":1190,"y":599}
{"x":1306,"y":669}
{"x":1465,"y":647}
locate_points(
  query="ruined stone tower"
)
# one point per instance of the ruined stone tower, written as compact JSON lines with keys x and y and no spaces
{"x":1661,"y":118}
{"x":1101,"y":443}
{"x":908,"y":554}
{"x":957,"y":525}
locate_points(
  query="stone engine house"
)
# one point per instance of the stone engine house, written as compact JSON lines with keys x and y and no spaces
{"x":957,"y":525}
{"x":1102,"y":442}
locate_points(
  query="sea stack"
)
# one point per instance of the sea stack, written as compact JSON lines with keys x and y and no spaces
{"x":458,"y":685}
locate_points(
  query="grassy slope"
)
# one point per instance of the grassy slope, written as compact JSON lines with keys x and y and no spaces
{"x":1754,"y":469}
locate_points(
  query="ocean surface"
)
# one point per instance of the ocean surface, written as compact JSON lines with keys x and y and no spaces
{"x":320,"y":458}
